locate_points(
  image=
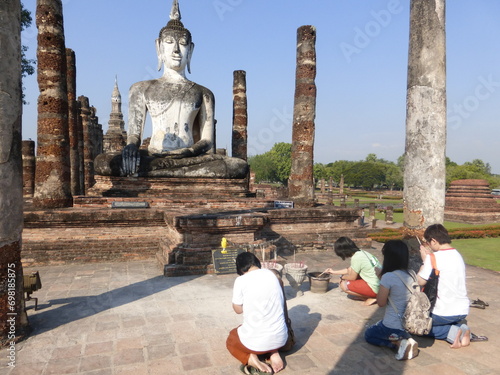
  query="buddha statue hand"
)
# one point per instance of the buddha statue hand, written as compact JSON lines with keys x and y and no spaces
{"x":130,"y":160}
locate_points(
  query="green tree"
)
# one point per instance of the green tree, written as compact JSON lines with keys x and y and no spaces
{"x":281,"y":156}
{"x":263,"y":168}
{"x":365,"y":174}
{"x":27,"y":65}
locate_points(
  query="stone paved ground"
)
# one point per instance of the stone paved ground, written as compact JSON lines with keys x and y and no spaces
{"x":126,"y":318}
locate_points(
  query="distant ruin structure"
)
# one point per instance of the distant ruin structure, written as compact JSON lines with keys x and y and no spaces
{"x":52,"y":176}
{"x":424,"y":172}
{"x":115,"y":138}
{"x":301,"y":181}
{"x":470,"y":201}
{"x":29,"y":166}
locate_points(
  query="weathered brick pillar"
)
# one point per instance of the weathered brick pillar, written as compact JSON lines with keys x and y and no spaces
{"x":79,"y":134}
{"x":52,"y":176}
{"x":301,"y":182}
{"x":425,"y":172}
{"x":330,"y":184}
{"x":322,"y":185}
{"x":240,"y":115}
{"x":372,"y":211}
{"x":96,"y":133}
{"x":12,"y":315}
{"x":389,"y":215}
{"x":88,"y":160}
{"x":73,"y":122}
{"x":341,"y":185}
{"x":29,"y":165}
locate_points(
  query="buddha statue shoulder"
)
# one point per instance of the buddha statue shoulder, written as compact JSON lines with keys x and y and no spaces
{"x":182,"y":116}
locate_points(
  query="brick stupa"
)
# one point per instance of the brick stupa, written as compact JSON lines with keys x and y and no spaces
{"x":470,"y":201}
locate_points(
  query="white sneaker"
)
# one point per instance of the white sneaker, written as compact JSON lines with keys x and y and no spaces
{"x":408,"y":349}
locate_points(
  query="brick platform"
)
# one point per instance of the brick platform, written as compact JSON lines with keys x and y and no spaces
{"x":181,"y":238}
{"x":196,"y":188}
{"x":470,"y":201}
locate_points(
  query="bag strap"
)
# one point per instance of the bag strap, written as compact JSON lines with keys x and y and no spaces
{"x":412,"y":274}
{"x":371,"y":260}
{"x":394,"y":308}
{"x":285,"y":307}
{"x":414,"y":277}
{"x":434,"y":264}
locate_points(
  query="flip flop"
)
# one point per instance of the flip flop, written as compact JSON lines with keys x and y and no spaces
{"x":250,"y":370}
{"x":477,"y":305}
{"x":476,"y":338}
{"x":481,"y":302}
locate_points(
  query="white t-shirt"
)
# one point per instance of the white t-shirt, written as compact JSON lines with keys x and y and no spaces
{"x":264,"y":326}
{"x":452,"y":291}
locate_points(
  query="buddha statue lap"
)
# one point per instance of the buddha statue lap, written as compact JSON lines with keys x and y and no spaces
{"x":182,"y":116}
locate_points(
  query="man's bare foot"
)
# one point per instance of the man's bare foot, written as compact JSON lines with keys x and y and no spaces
{"x":276,"y":362}
{"x":457,"y":344}
{"x":255,"y":362}
{"x":465,"y":338}
{"x":369,"y":301}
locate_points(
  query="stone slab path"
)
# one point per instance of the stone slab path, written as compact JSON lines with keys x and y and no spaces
{"x":126,"y":318}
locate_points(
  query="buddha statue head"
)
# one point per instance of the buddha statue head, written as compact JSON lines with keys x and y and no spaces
{"x":174,"y":45}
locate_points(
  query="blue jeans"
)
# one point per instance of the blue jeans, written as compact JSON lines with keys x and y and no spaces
{"x":441,"y":325}
{"x":378,"y":334}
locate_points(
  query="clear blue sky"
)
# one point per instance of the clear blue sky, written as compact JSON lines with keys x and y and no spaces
{"x":362,"y":54}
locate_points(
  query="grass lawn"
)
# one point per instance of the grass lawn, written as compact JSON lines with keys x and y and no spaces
{"x":480,"y":252}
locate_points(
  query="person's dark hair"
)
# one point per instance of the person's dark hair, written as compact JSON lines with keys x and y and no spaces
{"x":396,"y":256}
{"x":345,"y":247}
{"x":438,"y":232}
{"x":245,"y":261}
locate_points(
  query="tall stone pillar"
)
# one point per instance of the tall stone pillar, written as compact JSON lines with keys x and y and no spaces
{"x":73,"y":122}
{"x":425,"y":172}
{"x":12,"y":315}
{"x":240,"y":115}
{"x":52,"y":178}
{"x":29,"y":165}
{"x":79,"y":134}
{"x":301,"y":182}
{"x":88,"y":161}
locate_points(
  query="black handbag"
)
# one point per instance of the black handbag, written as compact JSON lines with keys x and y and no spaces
{"x":431,"y":287}
{"x":290,"y":342}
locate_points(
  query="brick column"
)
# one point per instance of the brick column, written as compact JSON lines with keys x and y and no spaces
{"x":52,"y":176}
{"x":29,"y":165}
{"x":240,"y":115}
{"x":88,"y":161}
{"x":73,"y":122}
{"x":301,"y":182}
{"x":79,"y":134}
{"x":12,"y":315}
{"x":425,"y":171}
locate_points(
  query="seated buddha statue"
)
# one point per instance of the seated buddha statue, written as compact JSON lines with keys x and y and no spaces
{"x":182,"y":115}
